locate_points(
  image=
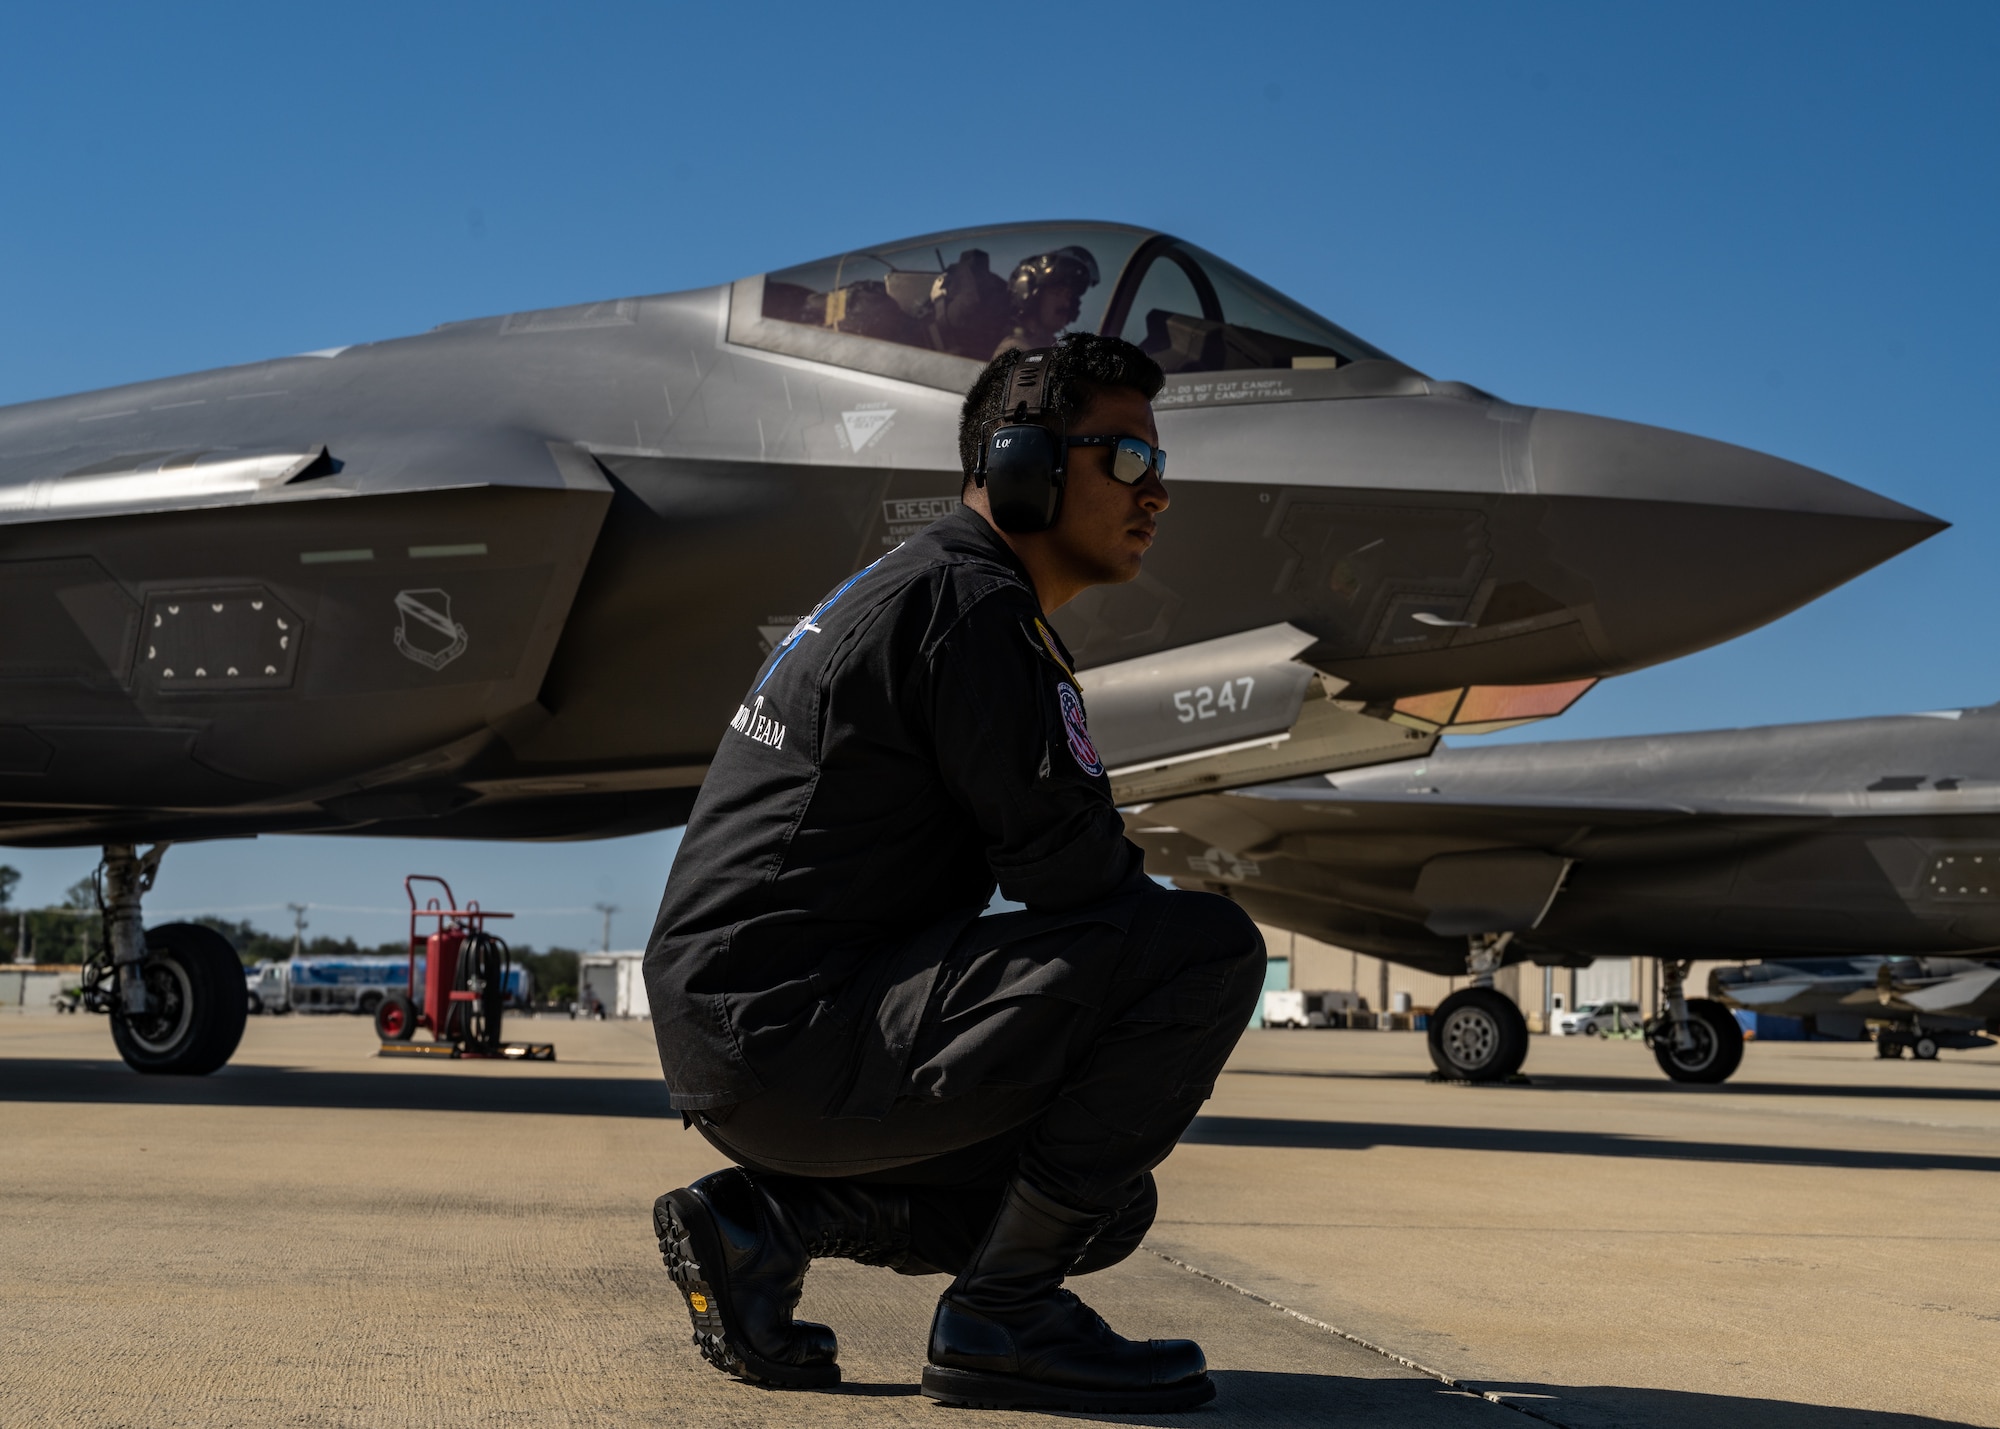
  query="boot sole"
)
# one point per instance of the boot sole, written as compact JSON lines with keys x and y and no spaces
{"x":976,"y":1389}
{"x":687,"y":1243}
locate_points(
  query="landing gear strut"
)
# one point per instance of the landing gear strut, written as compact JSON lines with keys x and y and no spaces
{"x":1478,"y":1034}
{"x":1694,"y":1039}
{"x":174,"y":993}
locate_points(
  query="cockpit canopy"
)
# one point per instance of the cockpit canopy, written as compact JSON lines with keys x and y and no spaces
{"x":973,"y":293}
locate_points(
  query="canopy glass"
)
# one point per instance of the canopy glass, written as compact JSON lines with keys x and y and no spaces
{"x":977,"y":292}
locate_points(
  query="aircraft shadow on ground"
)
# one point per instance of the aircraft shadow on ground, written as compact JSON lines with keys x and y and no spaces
{"x":1662,"y":1086}
{"x":1277,"y":1399}
{"x":1362,"y":1136}
{"x":1603,"y":1406}
{"x":442,"y":1087}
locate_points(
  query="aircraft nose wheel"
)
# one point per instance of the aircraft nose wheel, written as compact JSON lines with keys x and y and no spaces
{"x":158,"y":1031}
{"x":1478,"y":1035}
{"x":196,"y":1013}
{"x":1716,"y":1044}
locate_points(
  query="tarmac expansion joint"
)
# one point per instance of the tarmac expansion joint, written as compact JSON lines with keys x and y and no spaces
{"x":1512,"y":1079}
{"x":1452,"y":1381}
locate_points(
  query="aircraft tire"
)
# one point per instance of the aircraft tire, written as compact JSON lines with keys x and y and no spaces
{"x":1478,"y":1035}
{"x":395,"y":1018}
{"x":1924,"y":1049}
{"x":196,"y":977}
{"x":1718,"y":1049}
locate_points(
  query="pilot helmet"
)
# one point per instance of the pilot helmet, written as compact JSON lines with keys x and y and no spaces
{"x":1071,"y":267}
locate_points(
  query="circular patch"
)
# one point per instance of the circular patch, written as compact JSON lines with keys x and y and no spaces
{"x":1080,"y":747}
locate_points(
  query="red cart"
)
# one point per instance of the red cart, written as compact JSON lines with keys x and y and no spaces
{"x":464,"y":992}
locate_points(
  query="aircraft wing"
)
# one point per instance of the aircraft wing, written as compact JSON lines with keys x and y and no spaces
{"x":1400,"y":877}
{"x":1965,"y":993}
{"x":1311,"y":819}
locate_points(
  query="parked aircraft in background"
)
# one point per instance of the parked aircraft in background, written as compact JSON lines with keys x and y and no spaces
{"x":1870,"y":840}
{"x":1912,"y":1004}
{"x":508,"y":578}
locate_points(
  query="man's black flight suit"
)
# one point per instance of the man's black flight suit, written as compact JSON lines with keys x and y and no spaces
{"x":828,"y":1001}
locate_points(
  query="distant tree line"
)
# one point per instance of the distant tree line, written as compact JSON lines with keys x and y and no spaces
{"x":555,"y":972}
{"x":254,"y":945}
{"x":67,"y":933}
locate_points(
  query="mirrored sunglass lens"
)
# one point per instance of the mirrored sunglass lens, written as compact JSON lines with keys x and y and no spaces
{"x":1130,"y":460}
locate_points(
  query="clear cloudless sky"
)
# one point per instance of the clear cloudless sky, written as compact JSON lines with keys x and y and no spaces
{"x":1775,"y":224}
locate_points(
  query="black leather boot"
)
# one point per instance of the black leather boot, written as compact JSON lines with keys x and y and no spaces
{"x":738,"y":1243}
{"x":846,"y":1220}
{"x":740,"y":1265}
{"x":1008,"y":1336}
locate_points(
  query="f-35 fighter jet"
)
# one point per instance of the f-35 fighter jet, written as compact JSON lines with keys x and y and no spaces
{"x":508,"y":578}
{"x":1875,"y":842}
{"x":1915,"y":1005}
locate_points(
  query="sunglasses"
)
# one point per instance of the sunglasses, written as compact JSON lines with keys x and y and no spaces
{"x":1131,"y":458}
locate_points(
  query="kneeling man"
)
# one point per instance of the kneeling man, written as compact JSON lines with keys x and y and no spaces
{"x":899,"y":1080}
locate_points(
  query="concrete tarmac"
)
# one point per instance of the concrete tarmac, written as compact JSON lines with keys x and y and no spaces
{"x":316,"y":1237}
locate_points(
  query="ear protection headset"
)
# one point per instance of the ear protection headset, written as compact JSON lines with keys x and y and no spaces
{"x":1021,"y":462}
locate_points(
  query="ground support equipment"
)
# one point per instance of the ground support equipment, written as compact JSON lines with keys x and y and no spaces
{"x":463,"y":996}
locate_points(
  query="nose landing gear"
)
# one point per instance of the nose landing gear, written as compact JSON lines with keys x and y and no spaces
{"x":174,"y":993}
{"x":1694,"y":1039}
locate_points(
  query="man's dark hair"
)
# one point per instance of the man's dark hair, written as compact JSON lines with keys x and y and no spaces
{"x":1084,"y":365}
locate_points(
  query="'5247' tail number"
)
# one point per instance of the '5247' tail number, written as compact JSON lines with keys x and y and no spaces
{"x":1208,"y":701}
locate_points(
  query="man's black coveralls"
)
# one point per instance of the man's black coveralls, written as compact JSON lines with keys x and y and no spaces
{"x":828,"y":1001}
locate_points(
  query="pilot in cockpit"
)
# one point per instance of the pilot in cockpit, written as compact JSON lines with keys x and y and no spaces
{"x":1047,"y":294}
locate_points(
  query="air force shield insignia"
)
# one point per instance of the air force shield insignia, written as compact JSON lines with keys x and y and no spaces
{"x":425,"y":631}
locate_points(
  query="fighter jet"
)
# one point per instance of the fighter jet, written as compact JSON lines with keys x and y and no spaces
{"x":1916,"y":1005}
{"x":508,"y":578}
{"x":1872,"y":841}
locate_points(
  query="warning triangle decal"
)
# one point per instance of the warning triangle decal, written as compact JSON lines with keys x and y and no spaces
{"x":864,"y":427}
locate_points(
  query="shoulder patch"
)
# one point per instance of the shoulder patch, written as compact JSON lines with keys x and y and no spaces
{"x":1070,"y":703}
{"x":1044,"y":643}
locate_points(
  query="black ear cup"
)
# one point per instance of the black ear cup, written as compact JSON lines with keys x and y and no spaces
{"x":1024,"y":478}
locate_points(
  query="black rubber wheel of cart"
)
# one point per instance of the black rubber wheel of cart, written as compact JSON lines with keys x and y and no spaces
{"x":395,"y":1018}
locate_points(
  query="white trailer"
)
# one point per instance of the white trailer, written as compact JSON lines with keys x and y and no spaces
{"x":611,"y":985}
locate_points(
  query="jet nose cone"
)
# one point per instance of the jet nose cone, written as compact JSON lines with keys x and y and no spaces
{"x":1687,"y":541}
{"x":1574,"y":455}
{"x":1435,"y":542}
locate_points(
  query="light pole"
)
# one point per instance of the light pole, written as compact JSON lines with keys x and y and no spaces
{"x":607,"y":909}
{"x":298,"y":927}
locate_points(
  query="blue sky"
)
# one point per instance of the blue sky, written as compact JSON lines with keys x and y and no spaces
{"x":1772,"y":224}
